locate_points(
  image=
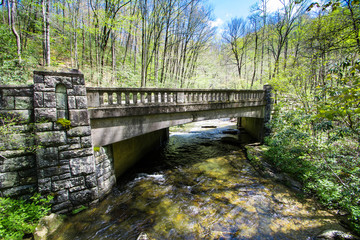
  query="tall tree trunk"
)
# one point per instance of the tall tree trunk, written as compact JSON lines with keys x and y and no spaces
{"x":113,"y":55}
{"x":255,"y":56}
{"x":144,"y":46}
{"x":12,"y":13}
{"x":46,"y":31}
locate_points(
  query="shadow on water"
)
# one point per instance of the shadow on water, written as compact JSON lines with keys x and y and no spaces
{"x":186,"y":148}
{"x":199,"y":186}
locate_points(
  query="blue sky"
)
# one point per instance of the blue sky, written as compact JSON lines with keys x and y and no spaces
{"x":224,"y":10}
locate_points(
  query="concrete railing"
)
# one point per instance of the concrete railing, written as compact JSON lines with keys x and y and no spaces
{"x":110,"y":97}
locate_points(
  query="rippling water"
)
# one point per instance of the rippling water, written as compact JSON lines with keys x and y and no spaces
{"x":200,"y":186}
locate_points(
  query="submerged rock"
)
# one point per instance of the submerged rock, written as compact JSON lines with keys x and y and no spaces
{"x":336,"y":235}
{"x":142,"y":236}
{"x":230,"y":131}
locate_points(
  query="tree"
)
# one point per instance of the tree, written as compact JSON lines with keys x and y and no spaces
{"x":12,"y":12}
{"x":46,"y":32}
{"x":236,"y":35}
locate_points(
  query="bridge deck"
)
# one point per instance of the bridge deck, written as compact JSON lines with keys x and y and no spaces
{"x":120,"y":113}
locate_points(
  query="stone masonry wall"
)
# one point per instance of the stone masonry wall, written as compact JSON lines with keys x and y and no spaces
{"x":65,"y":163}
{"x":17,"y":161}
{"x":105,"y":171}
{"x":40,"y":152}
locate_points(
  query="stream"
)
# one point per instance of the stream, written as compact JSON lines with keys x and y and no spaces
{"x":199,"y":186}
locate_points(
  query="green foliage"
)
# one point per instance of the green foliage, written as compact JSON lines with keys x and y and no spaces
{"x":20,"y":217}
{"x":319,"y":145}
{"x":96,"y":149}
{"x":64,"y":122}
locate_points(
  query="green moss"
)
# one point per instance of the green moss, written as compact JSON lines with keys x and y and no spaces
{"x":96,"y":149}
{"x":80,"y":209}
{"x":64,"y":122}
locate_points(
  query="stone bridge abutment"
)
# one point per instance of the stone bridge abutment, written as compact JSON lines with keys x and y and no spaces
{"x":59,"y":137}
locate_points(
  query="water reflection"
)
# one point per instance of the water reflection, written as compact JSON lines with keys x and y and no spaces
{"x":199,"y":187}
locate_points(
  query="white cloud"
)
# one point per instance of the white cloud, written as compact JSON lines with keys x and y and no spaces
{"x":217,"y":23}
{"x":274,"y":5}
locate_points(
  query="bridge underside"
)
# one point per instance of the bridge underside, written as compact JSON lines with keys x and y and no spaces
{"x":107,"y":129}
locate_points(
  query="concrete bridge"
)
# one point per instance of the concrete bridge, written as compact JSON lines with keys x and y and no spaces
{"x":117,"y":114}
{"x":109,"y":129}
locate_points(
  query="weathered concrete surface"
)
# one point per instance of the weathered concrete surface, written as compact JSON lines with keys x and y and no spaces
{"x":128,"y":152}
{"x":254,"y":126}
{"x":107,"y":130}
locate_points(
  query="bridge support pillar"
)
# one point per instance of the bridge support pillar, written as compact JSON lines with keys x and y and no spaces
{"x":128,"y":152}
{"x":258,"y":127}
{"x":65,"y":162}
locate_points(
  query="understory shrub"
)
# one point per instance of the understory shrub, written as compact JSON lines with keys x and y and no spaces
{"x":20,"y":217}
{"x":326,"y":162}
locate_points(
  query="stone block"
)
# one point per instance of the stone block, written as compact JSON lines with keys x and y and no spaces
{"x":79,"y":117}
{"x":72,"y":102}
{"x":60,"y":185}
{"x":23,"y":103}
{"x":8,"y":179}
{"x":49,"y":100}
{"x":69,"y":147}
{"x":73,"y":140}
{"x":45,"y":114}
{"x":47,"y":157}
{"x":40,"y":87}
{"x":32,"y":172}
{"x":51,"y":81}
{"x":77,"y":188}
{"x":62,"y":207}
{"x":77,"y":90}
{"x":82,"y":165}
{"x":53,"y":138}
{"x":16,"y":141}
{"x":105,"y":185}
{"x":61,"y":196}
{"x":38,"y":78}
{"x":19,"y":91}
{"x":44,"y":185}
{"x":77,"y":181}
{"x":81,"y":102}
{"x":79,"y":131}
{"x":21,"y":128}
{"x":8,"y":102}
{"x":67,"y":81}
{"x":78,"y":80}
{"x":91,"y":181}
{"x":28,"y":180}
{"x":42,"y":127}
{"x":23,"y":116}
{"x":13,"y":153}
{"x":61,"y":114}
{"x":17,"y":163}
{"x":20,"y":191}
{"x":86,"y":142}
{"x":82,"y":197}
{"x":53,"y":171}
{"x":65,"y":176}
{"x":75,"y":153}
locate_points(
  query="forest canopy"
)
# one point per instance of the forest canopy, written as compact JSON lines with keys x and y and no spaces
{"x":171,"y":43}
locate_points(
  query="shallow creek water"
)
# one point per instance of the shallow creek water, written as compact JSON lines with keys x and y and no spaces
{"x":200,"y":186}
